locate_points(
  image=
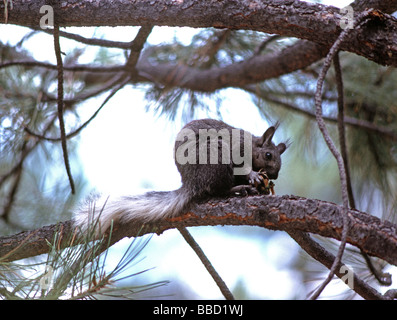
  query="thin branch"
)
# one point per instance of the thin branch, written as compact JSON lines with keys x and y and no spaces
{"x":265,"y":43}
{"x":14,"y":188}
{"x":75,"y":68}
{"x":207,"y":263}
{"x":57,"y":48}
{"x":137,"y":46}
{"x":341,"y":129}
{"x":384,"y":278}
{"x":321,"y":124}
{"x":90,"y":41}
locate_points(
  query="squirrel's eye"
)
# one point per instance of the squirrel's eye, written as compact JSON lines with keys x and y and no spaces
{"x":268,"y":156}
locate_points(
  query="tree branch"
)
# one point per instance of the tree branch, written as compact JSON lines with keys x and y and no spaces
{"x":314,"y":22}
{"x":91,"y":41}
{"x":374,"y":236}
{"x":256,"y":69}
{"x":137,"y":46}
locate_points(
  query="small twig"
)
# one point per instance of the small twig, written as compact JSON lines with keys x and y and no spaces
{"x":265,"y":43}
{"x":207,"y":264}
{"x":204,"y":58}
{"x":75,"y":68}
{"x":384,"y":278}
{"x":90,"y":41}
{"x":57,"y":49}
{"x":341,"y":129}
{"x":137,"y":46}
{"x":342,"y":172}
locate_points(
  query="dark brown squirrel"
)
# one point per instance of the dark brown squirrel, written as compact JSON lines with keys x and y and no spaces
{"x":213,"y":158}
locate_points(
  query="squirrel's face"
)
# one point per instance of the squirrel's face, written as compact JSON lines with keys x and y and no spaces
{"x":266,"y":155}
{"x":268,"y":159}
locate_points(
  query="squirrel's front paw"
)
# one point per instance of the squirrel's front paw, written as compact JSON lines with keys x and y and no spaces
{"x":255,"y":178}
{"x":261,"y":182}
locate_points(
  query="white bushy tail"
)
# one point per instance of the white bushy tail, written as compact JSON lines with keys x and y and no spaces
{"x":147,"y":207}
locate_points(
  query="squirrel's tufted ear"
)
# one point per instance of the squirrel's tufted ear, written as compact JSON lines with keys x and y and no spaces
{"x":281,"y":147}
{"x":267,"y":136}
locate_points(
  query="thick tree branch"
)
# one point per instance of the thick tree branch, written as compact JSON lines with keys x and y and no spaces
{"x":253,"y":70}
{"x":256,"y":69}
{"x":288,"y":213}
{"x":314,"y":22}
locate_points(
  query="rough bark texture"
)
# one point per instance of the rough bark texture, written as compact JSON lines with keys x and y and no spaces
{"x":376,"y":41}
{"x":377,"y":238}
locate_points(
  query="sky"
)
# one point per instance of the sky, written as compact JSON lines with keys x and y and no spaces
{"x":128,"y":150}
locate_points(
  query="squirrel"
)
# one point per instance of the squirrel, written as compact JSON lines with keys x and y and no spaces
{"x":208,"y":155}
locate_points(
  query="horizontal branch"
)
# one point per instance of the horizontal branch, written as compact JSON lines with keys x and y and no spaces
{"x":288,"y":213}
{"x":318,"y":23}
{"x":256,"y":69}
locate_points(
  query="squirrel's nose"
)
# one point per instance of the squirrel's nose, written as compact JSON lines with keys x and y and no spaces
{"x":272,"y":175}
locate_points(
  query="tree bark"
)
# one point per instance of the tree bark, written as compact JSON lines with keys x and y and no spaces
{"x":287,"y":213}
{"x":318,"y":23}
